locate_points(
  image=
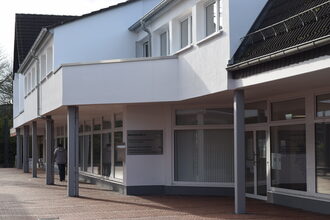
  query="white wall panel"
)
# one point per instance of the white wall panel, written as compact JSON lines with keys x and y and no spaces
{"x":149,"y":169}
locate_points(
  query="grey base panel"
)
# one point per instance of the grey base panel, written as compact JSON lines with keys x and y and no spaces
{"x":179,"y":190}
{"x":104,"y":184}
{"x":307,"y":204}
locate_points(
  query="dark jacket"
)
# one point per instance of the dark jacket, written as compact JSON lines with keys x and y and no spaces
{"x":60,"y":155}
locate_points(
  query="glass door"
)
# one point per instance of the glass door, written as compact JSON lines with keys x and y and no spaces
{"x":255,"y":168}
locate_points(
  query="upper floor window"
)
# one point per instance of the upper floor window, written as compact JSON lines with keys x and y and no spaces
{"x":146,"y":49}
{"x":186,"y":31}
{"x":164,"y":44}
{"x":213,"y":19}
{"x":43,"y":66}
{"x":49,"y":59}
{"x":34,"y":77}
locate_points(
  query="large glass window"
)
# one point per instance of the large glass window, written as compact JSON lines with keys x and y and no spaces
{"x":323,"y":105}
{"x":87,"y":153}
{"x":97,"y":153}
{"x":101,"y":150}
{"x":204,"y":155}
{"x":81,"y":153}
{"x":322,"y":148}
{"x":118,"y":120}
{"x":255,"y":112}
{"x":288,"y":157}
{"x":97,"y":124}
{"x":106,"y":154}
{"x":106,"y":122}
{"x":119,"y":155}
{"x":287,"y":110}
{"x":88,"y":126}
{"x":215,"y":116}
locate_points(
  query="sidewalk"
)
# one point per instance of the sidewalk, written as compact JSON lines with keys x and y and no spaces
{"x":23,"y":197}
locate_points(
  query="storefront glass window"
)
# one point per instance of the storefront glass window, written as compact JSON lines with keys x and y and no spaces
{"x":204,"y":155}
{"x":106,"y":154}
{"x":323,"y":105}
{"x":215,"y":116}
{"x":81,"y":152}
{"x":97,"y":124}
{"x":88,"y":126}
{"x":87,"y":153}
{"x":119,"y":155}
{"x":322,"y":148}
{"x":288,"y":157}
{"x":97,"y":153}
{"x":287,"y":110}
{"x":106,"y":123}
{"x":255,"y":112}
{"x":118,"y":120}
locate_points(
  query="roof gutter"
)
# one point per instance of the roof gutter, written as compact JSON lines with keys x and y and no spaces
{"x":155,"y":12}
{"x":281,"y":53}
{"x":41,"y":37}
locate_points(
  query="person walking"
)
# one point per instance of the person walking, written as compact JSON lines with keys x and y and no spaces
{"x":60,"y":159}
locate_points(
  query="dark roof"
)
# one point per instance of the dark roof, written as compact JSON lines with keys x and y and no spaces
{"x":27,"y":29}
{"x":283,"y":24}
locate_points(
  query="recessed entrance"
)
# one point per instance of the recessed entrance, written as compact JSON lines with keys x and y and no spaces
{"x":255,"y":168}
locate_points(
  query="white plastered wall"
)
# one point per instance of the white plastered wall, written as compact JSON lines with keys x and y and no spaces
{"x":149,"y":169}
{"x":103,"y":36}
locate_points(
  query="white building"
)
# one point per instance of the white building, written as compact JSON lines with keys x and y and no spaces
{"x":144,"y":99}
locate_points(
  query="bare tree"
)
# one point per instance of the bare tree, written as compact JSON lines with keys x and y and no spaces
{"x":6,"y":80}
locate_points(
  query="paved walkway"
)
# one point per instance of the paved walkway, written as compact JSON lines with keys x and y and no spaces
{"x":22,"y":197}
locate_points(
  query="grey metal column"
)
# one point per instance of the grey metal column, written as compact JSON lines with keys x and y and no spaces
{"x":34,"y":149}
{"x":49,"y":153}
{"x":239,"y":151}
{"x":18,"y":149}
{"x":73,"y":171}
{"x":26,"y":149}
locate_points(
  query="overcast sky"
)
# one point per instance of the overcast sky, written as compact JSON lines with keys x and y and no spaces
{"x":8,"y":9}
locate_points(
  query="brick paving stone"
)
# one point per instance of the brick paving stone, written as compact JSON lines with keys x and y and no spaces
{"x":25,"y":198}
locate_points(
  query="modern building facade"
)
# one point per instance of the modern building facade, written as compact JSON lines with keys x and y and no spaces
{"x":222,"y":97}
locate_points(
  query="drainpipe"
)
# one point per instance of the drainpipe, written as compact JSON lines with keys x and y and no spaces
{"x":38,"y":83}
{"x":145,"y":29}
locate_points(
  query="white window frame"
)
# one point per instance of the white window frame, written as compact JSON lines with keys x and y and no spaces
{"x":167,"y":43}
{"x":195,"y":127}
{"x":189,"y":19}
{"x":43,"y":66}
{"x":49,"y":60}
{"x":146,"y":53}
{"x":218,"y":24}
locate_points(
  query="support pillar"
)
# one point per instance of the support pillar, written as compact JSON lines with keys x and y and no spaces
{"x":26,"y":149}
{"x":49,"y":152}
{"x":73,"y":170}
{"x":34,"y":149}
{"x":18,"y":149}
{"x":239,"y":151}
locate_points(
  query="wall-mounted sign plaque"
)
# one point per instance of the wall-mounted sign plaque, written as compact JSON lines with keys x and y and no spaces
{"x":144,"y":142}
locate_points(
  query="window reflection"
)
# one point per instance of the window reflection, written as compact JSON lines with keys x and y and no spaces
{"x":288,"y":157}
{"x":322,"y":150}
